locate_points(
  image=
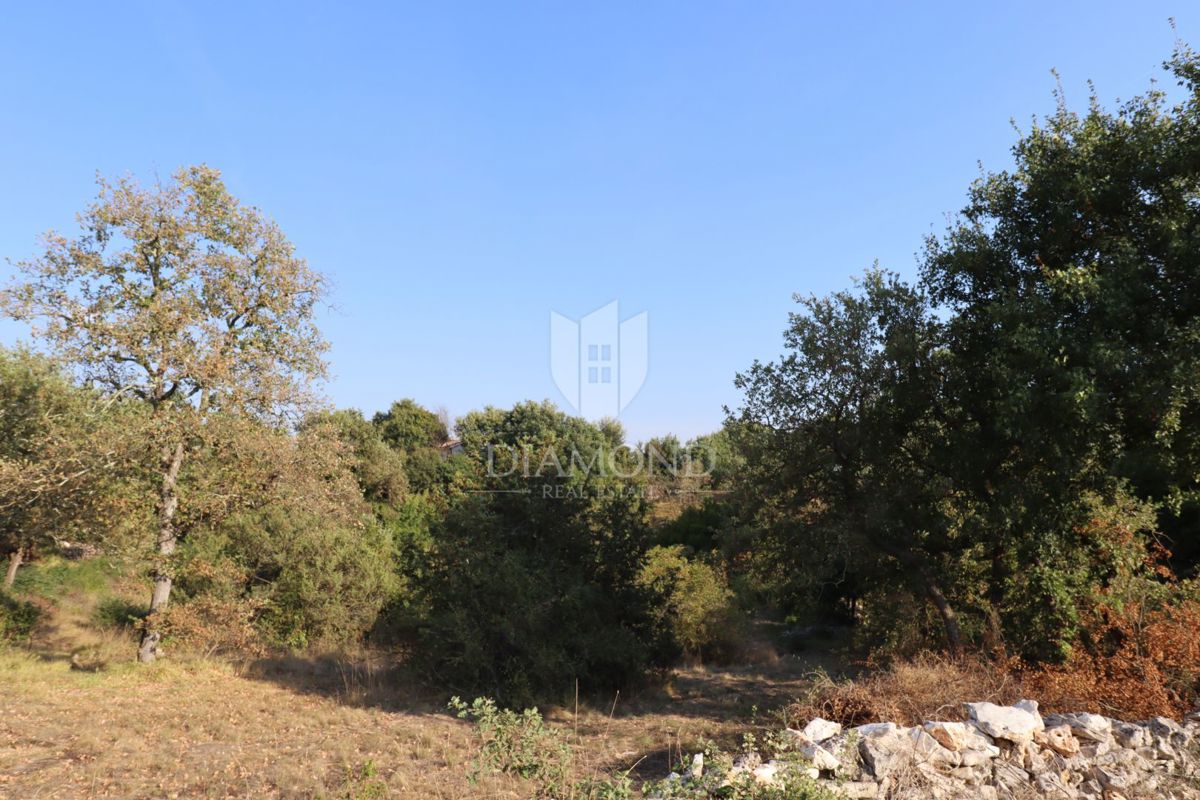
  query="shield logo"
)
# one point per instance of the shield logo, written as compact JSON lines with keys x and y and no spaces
{"x":599,"y":363}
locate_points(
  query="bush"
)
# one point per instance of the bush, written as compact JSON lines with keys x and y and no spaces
{"x":1141,"y":661}
{"x":298,"y":580}
{"x":215,"y":625}
{"x":531,"y":586}
{"x":521,"y":745}
{"x":18,"y":618}
{"x":116,"y":612}
{"x":698,"y":609}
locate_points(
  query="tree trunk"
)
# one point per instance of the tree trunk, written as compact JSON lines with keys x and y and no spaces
{"x":949,"y":619}
{"x":14,"y":561}
{"x":168,"y":501}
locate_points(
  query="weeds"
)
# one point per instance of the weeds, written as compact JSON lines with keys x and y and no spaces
{"x":520,"y":744}
{"x":362,"y":783}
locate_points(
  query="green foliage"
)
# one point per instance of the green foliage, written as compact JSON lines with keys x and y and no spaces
{"x":407,"y":426}
{"x":55,"y":577}
{"x":53,"y":475}
{"x":18,"y":618}
{"x":116,"y":612}
{"x":698,"y":608}
{"x":717,"y":456}
{"x":311,"y":581}
{"x":518,"y":744}
{"x":521,"y":744}
{"x":703,"y":528}
{"x":378,"y":468}
{"x":363,"y":783}
{"x":532,"y":583}
{"x":954,"y":443}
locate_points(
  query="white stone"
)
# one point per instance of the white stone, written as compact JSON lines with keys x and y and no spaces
{"x":874,"y":728}
{"x":796,"y":739}
{"x":957,"y":736}
{"x":1130,"y":735}
{"x":697,"y":770}
{"x":1015,"y":724}
{"x":820,"y":758}
{"x":820,"y":730}
{"x":858,"y":790}
{"x":929,"y":749}
{"x":885,"y":748}
{"x":1059,"y":739}
{"x":1083,"y":725}
{"x":765,"y":773}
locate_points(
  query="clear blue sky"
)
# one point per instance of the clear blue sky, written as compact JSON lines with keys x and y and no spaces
{"x":461,"y":170}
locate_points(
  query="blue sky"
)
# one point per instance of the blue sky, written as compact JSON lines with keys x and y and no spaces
{"x":462,"y":170}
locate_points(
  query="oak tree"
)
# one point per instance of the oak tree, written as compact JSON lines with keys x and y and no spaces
{"x":183,"y":298}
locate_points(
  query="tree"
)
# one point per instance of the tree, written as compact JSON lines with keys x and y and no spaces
{"x":378,"y":467}
{"x":963,"y":437}
{"x":408,"y":426}
{"x":841,"y":437}
{"x":531,"y":580}
{"x":1071,"y":284}
{"x":183,"y":298}
{"x":55,"y":471}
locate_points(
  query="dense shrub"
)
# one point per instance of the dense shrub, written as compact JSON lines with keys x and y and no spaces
{"x":1146,"y":663}
{"x":698,"y":605}
{"x":18,"y":618}
{"x":532,"y":584}
{"x":299,"y":579}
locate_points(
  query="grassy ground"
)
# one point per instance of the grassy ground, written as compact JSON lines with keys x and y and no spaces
{"x":297,"y":727}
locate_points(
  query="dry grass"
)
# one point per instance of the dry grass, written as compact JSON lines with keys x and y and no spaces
{"x":908,"y":692}
{"x":202,"y":730}
{"x":315,"y":727}
{"x":342,"y":726}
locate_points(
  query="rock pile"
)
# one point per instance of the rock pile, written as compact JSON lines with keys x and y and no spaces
{"x":999,"y":752}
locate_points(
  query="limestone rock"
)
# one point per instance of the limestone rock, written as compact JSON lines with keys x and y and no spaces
{"x":820,"y":758}
{"x":859,"y":790}
{"x":1016,"y":724}
{"x":1010,"y":780}
{"x":957,"y":736}
{"x":1083,"y":725}
{"x":820,"y":730}
{"x":796,"y":739}
{"x":929,"y":750}
{"x":1058,"y":738}
{"x":1130,"y":735}
{"x":884,"y":748}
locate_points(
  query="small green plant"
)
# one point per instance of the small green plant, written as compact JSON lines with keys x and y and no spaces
{"x":616,"y":788}
{"x":518,"y":744}
{"x":363,"y":783}
{"x":720,"y":780}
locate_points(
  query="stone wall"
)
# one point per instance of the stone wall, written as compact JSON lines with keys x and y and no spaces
{"x":999,"y":752}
